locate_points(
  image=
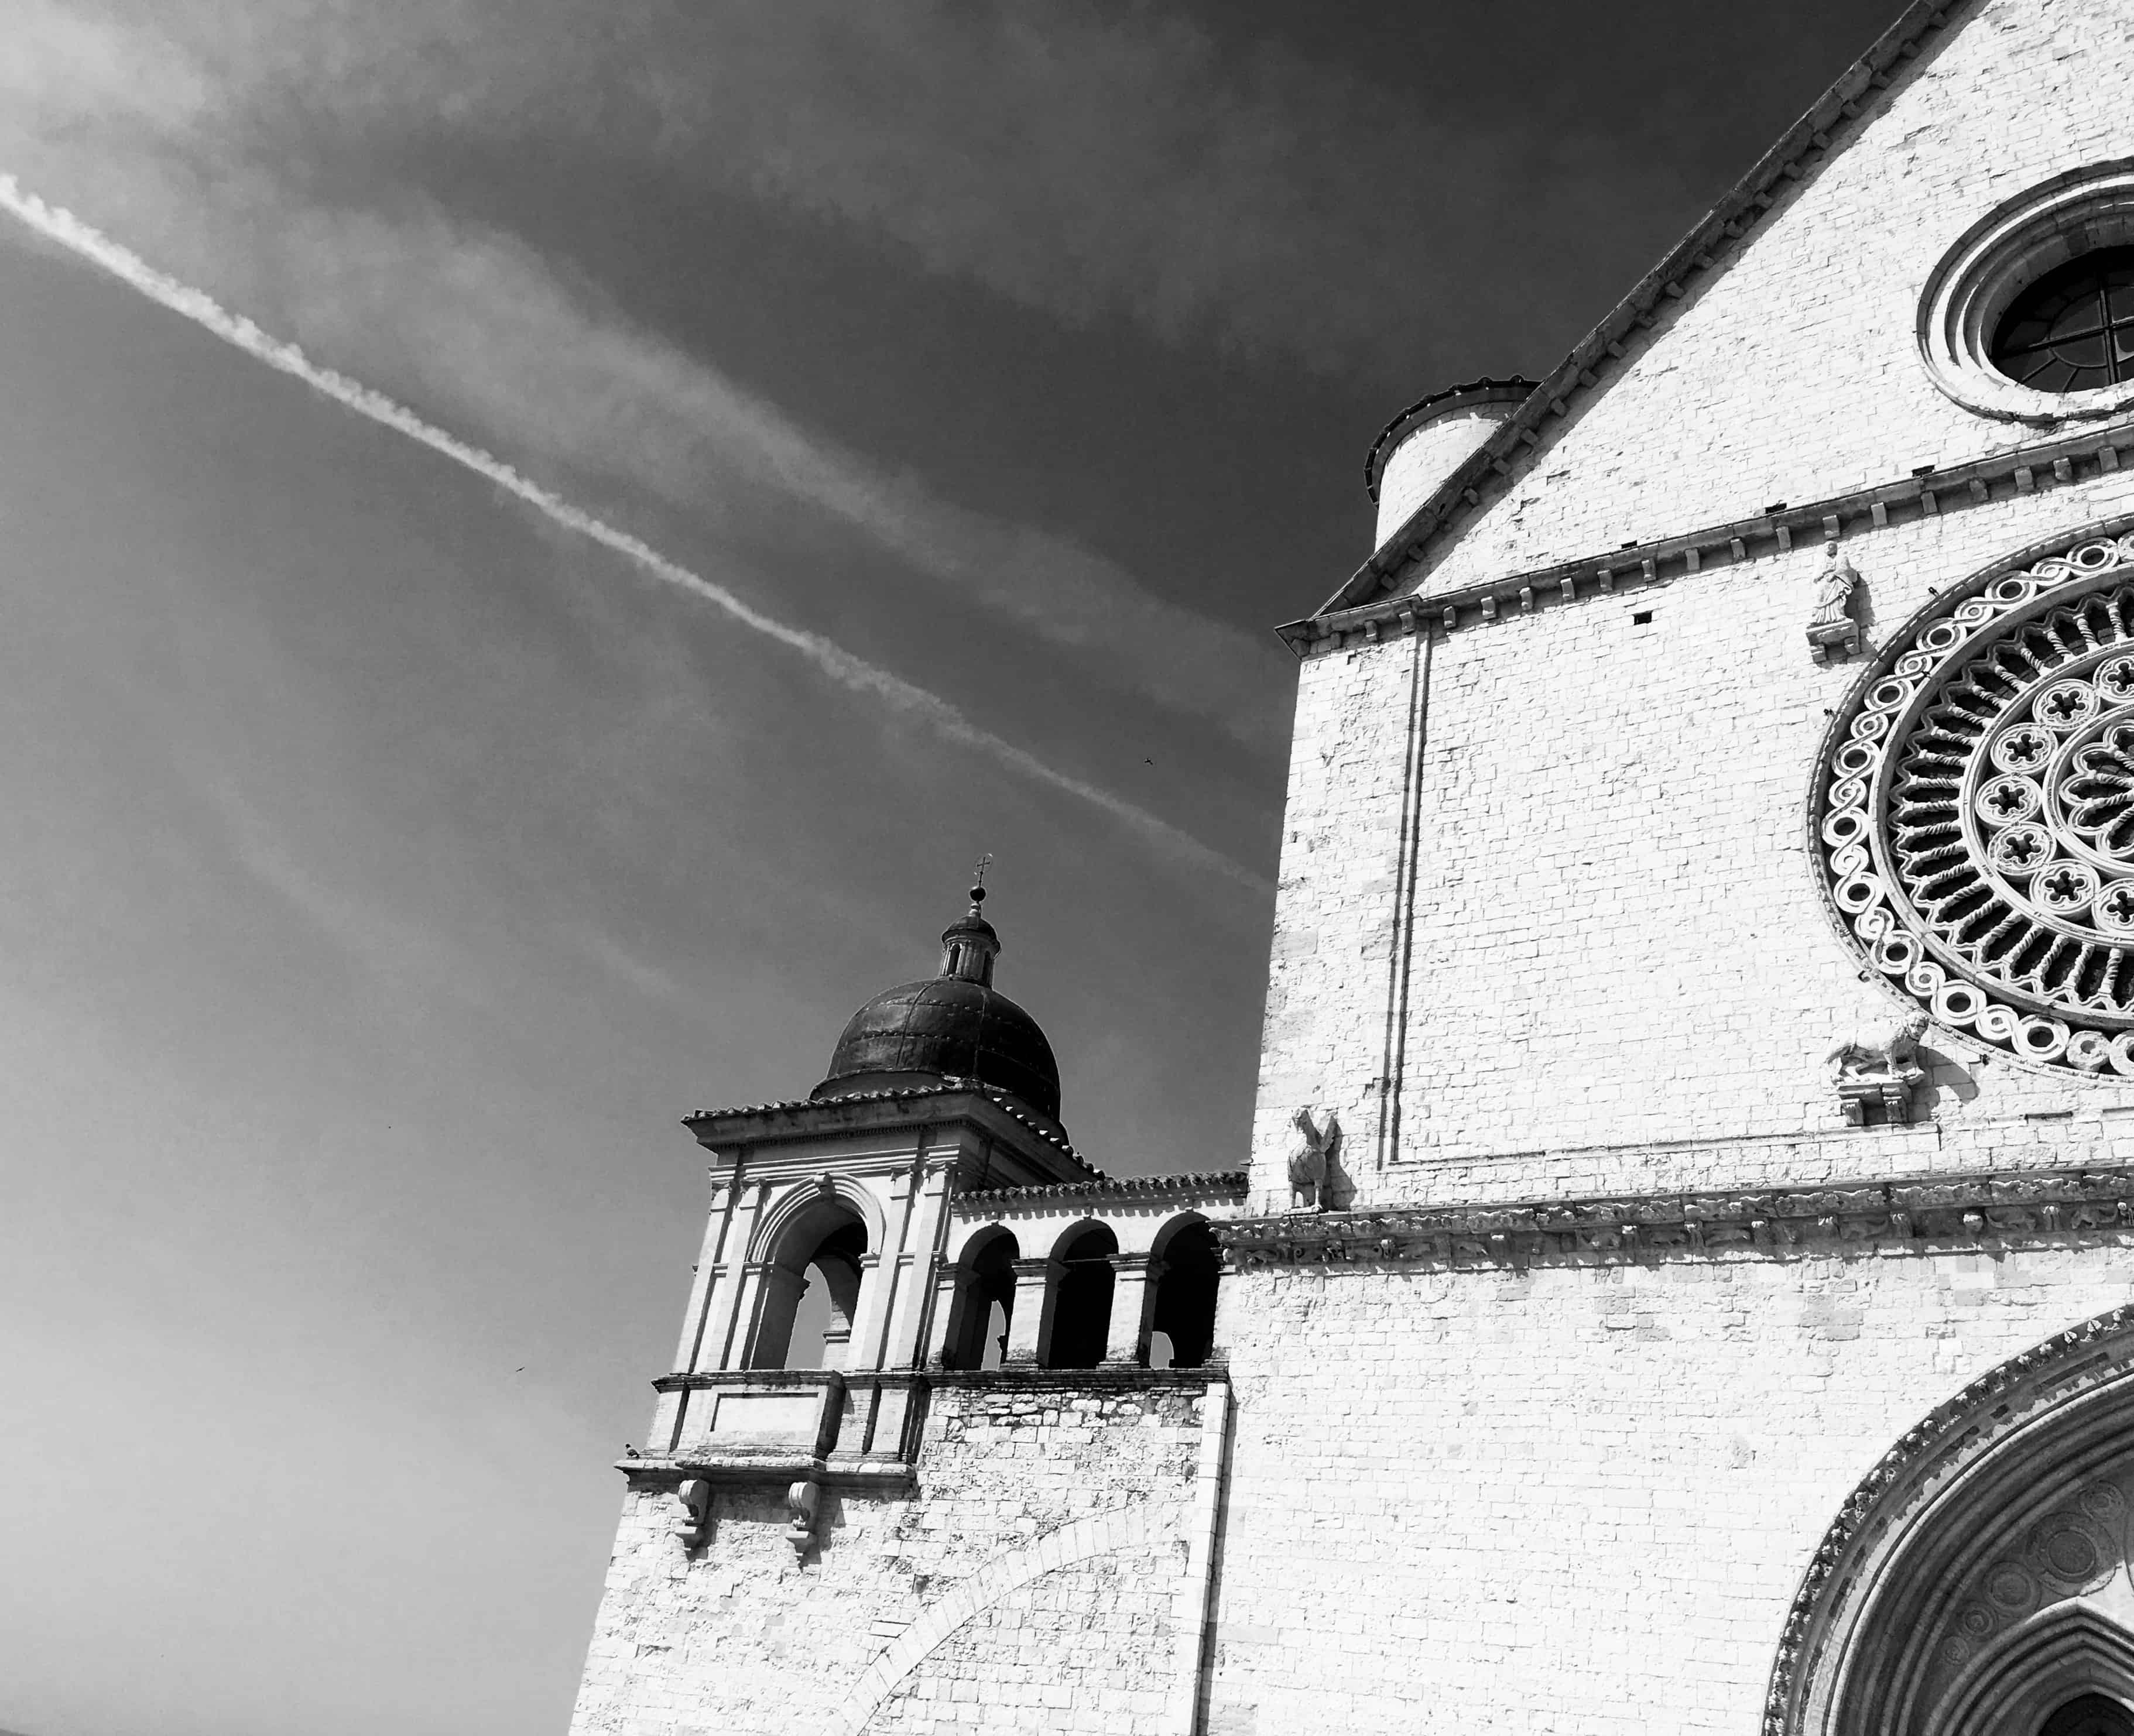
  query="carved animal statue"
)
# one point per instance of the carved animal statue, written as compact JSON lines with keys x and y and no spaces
{"x":1894,"y":1056}
{"x":1309,"y":1163}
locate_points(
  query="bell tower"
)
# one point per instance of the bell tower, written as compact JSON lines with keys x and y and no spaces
{"x":917,"y":1352}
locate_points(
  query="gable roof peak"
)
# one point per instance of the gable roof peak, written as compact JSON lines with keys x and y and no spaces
{"x":1710,"y":243}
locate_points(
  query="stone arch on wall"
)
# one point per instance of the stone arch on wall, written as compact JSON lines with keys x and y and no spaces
{"x":821,"y":1233}
{"x":1100,"y":1534}
{"x":1979,"y":1574}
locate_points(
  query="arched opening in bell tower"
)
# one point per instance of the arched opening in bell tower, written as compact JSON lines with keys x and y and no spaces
{"x":811,"y":1289}
{"x":1182,"y":1324}
{"x":1081,"y":1301}
{"x":985,"y":1302}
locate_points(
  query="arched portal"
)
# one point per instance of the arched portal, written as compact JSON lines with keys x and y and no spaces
{"x":812,"y":1272}
{"x":1977,"y":1583}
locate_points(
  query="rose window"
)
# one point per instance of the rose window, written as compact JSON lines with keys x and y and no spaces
{"x":1975,"y":809}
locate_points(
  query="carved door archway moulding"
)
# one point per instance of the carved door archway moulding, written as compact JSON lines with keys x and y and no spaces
{"x":1972,"y":817}
{"x":1961,"y":1583}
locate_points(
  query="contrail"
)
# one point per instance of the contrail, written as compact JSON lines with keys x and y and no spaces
{"x":62,"y":227}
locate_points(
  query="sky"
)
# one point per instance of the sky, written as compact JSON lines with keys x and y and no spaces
{"x":541,"y":539}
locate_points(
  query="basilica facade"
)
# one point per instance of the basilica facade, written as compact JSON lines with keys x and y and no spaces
{"x":1683,"y":1278}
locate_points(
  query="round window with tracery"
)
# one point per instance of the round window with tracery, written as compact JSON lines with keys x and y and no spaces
{"x":1974,"y":810}
{"x":2072,"y":330}
{"x":2030,"y":314}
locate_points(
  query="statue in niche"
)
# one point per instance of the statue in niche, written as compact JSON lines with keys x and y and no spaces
{"x":1308,"y":1165}
{"x":1832,"y":632}
{"x":1879,"y":1076}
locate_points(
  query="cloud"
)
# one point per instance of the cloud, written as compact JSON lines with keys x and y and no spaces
{"x":901,"y":697}
{"x":473,"y":325}
{"x":1089,"y":161}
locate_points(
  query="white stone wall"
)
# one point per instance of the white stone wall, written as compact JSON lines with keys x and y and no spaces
{"x":1792,"y":374}
{"x":1082,"y":1648}
{"x":1323,"y":1043}
{"x":1060,"y":1518}
{"x":1573,"y":1500}
{"x":1622,"y":976}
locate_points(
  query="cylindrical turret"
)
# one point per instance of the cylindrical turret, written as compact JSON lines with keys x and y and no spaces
{"x":1430,"y":439}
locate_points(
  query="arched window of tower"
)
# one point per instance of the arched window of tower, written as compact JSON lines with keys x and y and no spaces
{"x":1082,"y":1298}
{"x":1182,"y":1324}
{"x":984,"y":1301}
{"x":811,"y":1289}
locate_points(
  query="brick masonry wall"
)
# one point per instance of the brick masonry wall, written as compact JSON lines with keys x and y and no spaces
{"x":1082,"y":1648}
{"x":1573,"y":1500}
{"x":740,"y":1638}
{"x":1623,"y":975}
{"x":1792,"y":374}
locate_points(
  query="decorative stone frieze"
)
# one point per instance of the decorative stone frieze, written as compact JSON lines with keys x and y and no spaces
{"x":1973,"y":814}
{"x":1970,"y":1210}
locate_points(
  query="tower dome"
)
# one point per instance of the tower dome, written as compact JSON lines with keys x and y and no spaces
{"x":955,"y":1024}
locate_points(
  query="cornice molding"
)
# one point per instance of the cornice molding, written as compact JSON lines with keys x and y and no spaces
{"x":1227,"y":1184}
{"x":1941,"y":1213}
{"x":803,"y":1117}
{"x":2039,"y":466}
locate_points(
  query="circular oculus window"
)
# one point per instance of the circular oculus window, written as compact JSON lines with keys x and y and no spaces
{"x":1973,"y":813}
{"x":2030,"y":317}
{"x":2072,"y":330}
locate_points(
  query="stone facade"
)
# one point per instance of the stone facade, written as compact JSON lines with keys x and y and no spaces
{"x":1646,"y":1277}
{"x":1030,"y":1581}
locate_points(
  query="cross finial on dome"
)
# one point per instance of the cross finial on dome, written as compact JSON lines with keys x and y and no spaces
{"x":978,"y":881}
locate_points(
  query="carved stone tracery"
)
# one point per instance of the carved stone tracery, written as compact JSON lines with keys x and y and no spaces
{"x":1974,"y":812}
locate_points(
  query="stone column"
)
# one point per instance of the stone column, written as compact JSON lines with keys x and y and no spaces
{"x":1029,"y":1332}
{"x":666,"y":1416}
{"x":729,"y":1301}
{"x":918,"y":1261}
{"x":707,"y":1273}
{"x":882,"y":1269}
{"x":943,"y":1318}
{"x":853,"y":1347}
{"x":1133,"y":1304}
